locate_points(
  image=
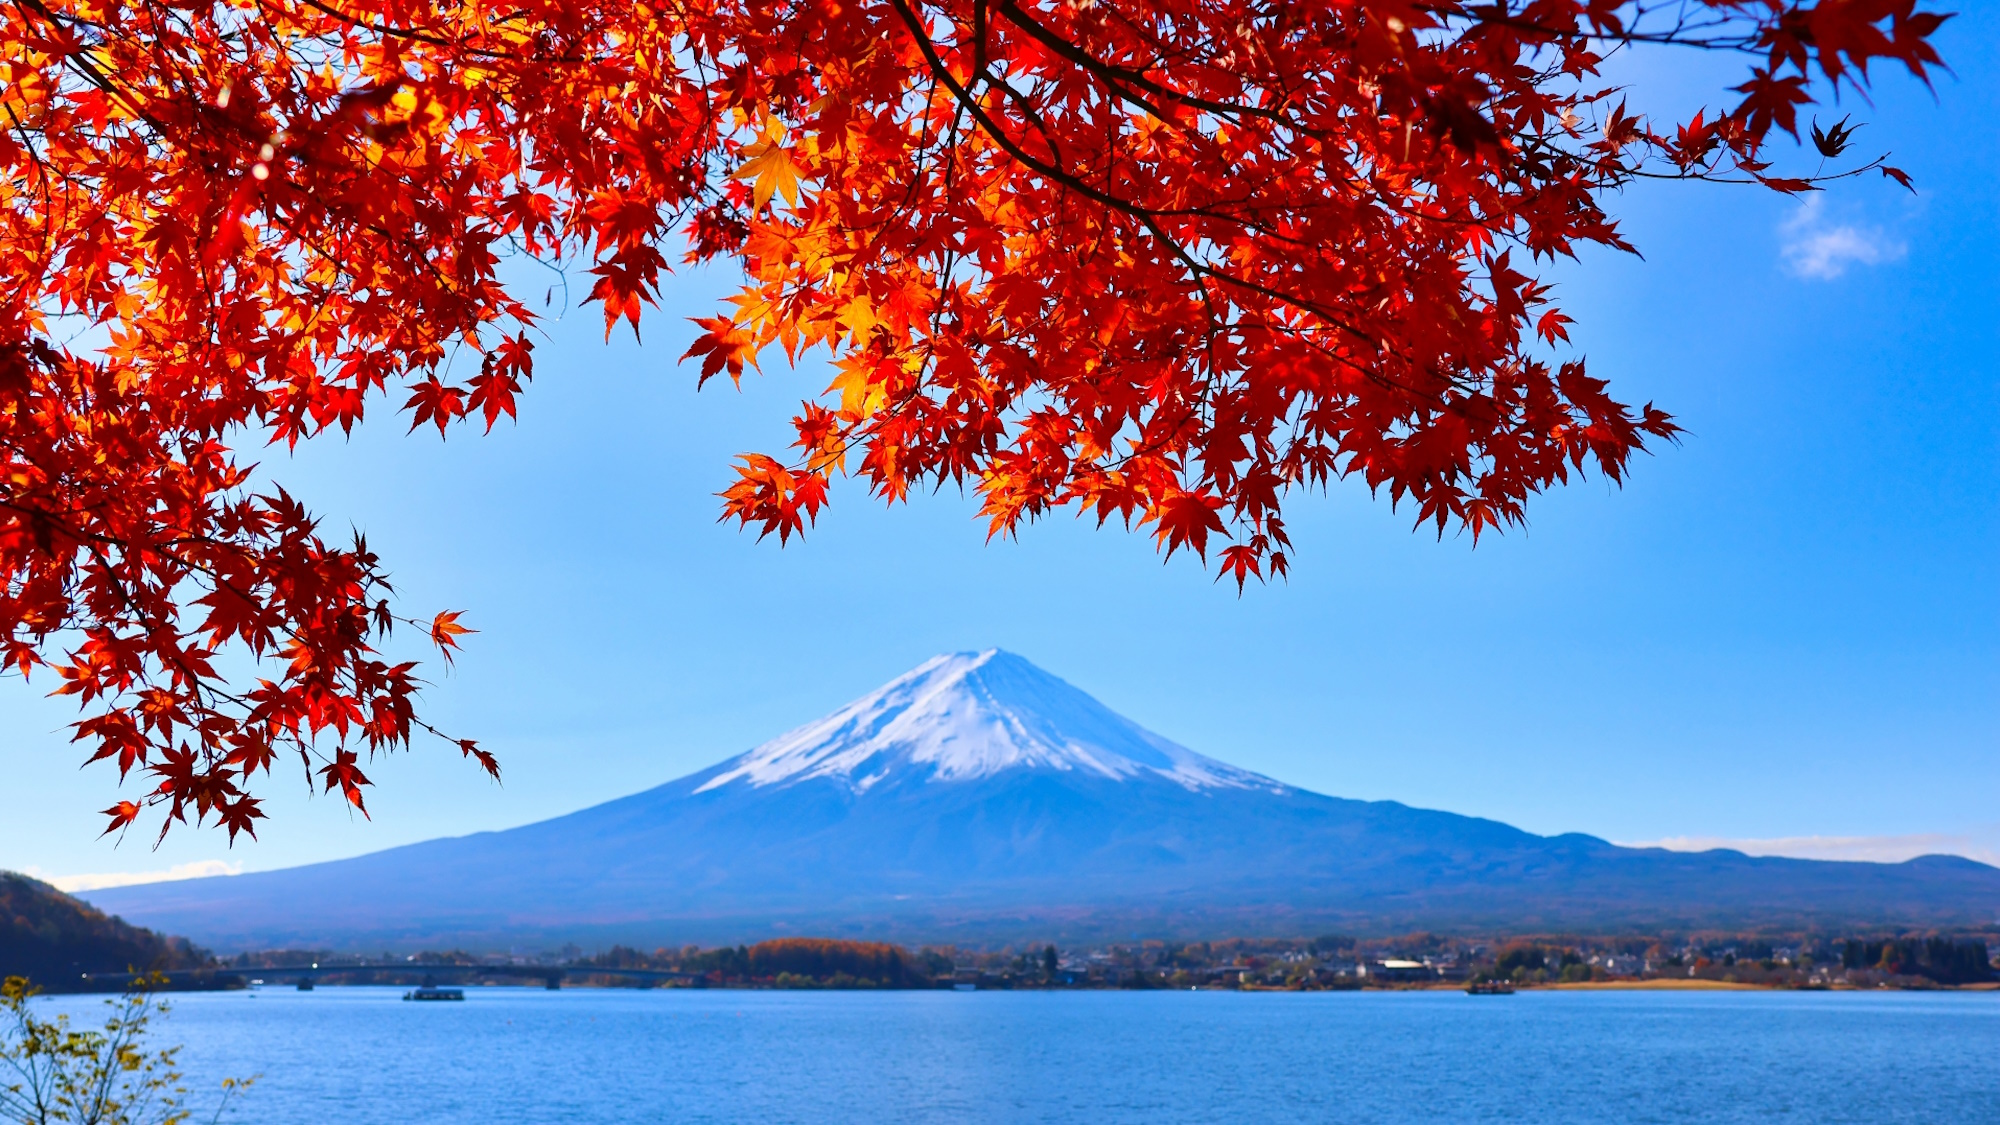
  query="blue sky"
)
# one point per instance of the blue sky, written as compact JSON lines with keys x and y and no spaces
{"x":1783,"y":630}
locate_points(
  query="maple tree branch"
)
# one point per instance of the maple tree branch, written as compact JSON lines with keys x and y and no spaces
{"x":1722,"y":178}
{"x":27,"y":281}
{"x":159,"y":622}
{"x":436,"y":40}
{"x":1147,"y":218}
{"x":155,"y":624}
{"x":1496,"y":15}
{"x":1122,"y":79}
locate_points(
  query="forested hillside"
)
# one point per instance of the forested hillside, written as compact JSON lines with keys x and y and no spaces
{"x":53,"y":939}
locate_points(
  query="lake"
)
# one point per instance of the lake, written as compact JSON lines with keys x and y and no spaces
{"x":362,"y":1056}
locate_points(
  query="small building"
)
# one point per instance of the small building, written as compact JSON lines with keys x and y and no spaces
{"x":1396,"y":971}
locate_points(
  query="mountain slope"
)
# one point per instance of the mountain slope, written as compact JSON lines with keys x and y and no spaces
{"x":979,"y":797}
{"x":52,"y":939}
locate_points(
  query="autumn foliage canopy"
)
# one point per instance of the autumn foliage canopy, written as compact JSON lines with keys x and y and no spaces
{"x":1164,"y":262}
{"x":820,"y":958}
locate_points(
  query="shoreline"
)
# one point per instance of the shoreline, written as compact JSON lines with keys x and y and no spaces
{"x":1656,"y":984}
{"x":1670,"y":984}
{"x":1697,"y":984}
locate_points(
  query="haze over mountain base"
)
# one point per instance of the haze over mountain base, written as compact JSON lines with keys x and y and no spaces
{"x":977,"y":798}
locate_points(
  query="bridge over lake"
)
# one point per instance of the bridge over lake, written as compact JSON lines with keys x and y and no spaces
{"x":306,"y":975}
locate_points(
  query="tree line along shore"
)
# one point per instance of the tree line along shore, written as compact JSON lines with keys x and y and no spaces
{"x":1926,"y":961}
{"x":63,"y":944}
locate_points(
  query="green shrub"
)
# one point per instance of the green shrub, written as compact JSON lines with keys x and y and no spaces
{"x":53,"y":1075}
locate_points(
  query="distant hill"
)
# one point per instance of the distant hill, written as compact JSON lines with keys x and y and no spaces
{"x":52,"y":939}
{"x":978,"y":798}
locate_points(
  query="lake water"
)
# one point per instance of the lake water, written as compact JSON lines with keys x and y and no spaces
{"x":523,"y":1056}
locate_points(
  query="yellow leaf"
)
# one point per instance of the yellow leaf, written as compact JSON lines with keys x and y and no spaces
{"x":773,"y":170}
{"x":859,"y":317}
{"x":859,"y":397}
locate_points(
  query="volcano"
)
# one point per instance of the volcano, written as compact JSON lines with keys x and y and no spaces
{"x":978,"y":798}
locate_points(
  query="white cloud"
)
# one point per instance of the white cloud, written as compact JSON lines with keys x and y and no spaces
{"x":199,"y":869}
{"x":1816,"y":247}
{"x":1872,"y":849}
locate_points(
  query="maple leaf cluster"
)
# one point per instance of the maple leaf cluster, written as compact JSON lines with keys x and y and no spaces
{"x":1161,"y":261}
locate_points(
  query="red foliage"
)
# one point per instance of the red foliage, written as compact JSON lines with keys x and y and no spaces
{"x":820,"y":958}
{"x":1158,"y":261}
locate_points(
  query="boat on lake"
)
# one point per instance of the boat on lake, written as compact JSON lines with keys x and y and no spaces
{"x":430,"y":991}
{"x":1490,"y":988}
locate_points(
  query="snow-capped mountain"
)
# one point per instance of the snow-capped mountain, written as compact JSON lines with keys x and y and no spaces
{"x":972,"y":715}
{"x":979,"y":798}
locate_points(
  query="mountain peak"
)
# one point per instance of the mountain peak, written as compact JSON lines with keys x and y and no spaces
{"x":968,"y":715}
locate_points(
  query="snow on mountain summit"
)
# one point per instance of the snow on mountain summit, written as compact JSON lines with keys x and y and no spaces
{"x":971,"y":715}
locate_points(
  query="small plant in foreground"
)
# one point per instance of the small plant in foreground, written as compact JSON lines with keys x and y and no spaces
{"x":50,"y":1073}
